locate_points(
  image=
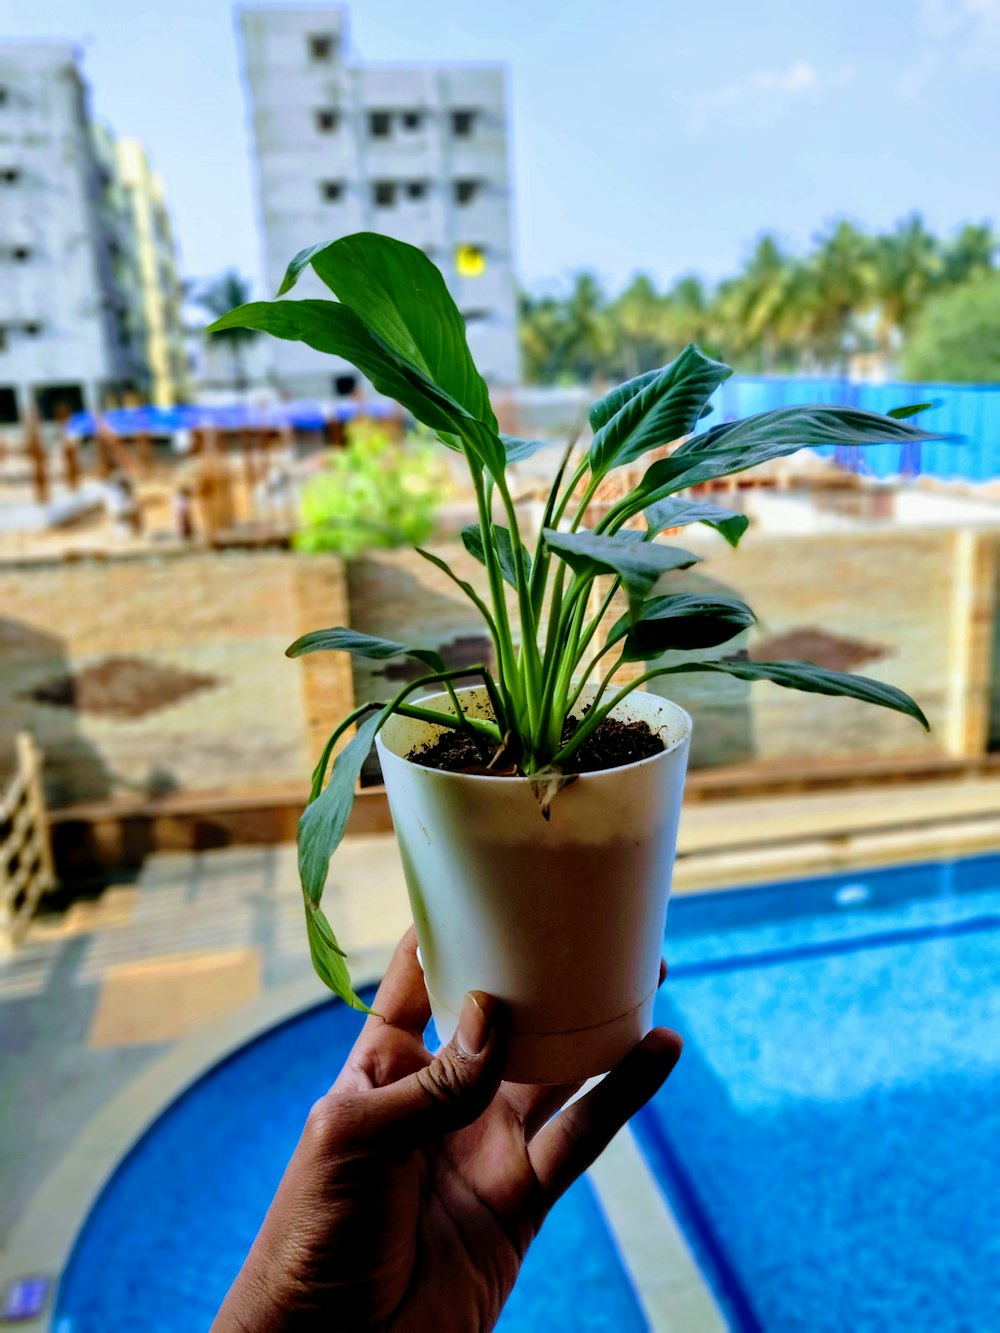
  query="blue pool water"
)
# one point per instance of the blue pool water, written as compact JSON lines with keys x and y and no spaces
{"x":171,"y":1229}
{"x":832,"y":1139}
{"x":829,"y":1139}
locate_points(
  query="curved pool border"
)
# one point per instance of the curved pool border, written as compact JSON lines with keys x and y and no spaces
{"x":666,"y":1279}
{"x":43,"y":1237}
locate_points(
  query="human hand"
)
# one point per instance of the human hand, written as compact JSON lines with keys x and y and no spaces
{"x":420,"y":1180}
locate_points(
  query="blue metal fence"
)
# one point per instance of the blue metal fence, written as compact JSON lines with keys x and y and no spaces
{"x":970,"y":411}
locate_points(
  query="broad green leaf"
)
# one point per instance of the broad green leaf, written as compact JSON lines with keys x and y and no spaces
{"x":402,"y":298}
{"x":343,"y":640}
{"x":517,"y":449}
{"x":472,"y":540}
{"x":739,"y":445}
{"x":638,"y":564}
{"x":324,"y":819}
{"x":902,"y":413}
{"x":683,"y":621}
{"x":812,"y":679}
{"x":653,"y":409}
{"x":671,"y":513}
{"x":333,"y":328}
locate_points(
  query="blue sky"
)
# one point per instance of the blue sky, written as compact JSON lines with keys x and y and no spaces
{"x":648,"y":135}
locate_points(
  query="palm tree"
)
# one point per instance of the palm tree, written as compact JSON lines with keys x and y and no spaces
{"x":758,"y":310}
{"x":637,"y":320}
{"x":218,"y":297}
{"x":839,"y":289}
{"x":907,"y":268}
{"x":972,"y":253}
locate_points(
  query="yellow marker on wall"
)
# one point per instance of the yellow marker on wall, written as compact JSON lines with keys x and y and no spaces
{"x":470,"y":262}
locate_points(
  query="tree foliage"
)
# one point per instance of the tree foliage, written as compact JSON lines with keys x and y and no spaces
{"x":851,"y":293}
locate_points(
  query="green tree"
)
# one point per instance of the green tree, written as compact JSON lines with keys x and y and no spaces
{"x":971,"y":254}
{"x":759,"y":312}
{"x":957,"y":338}
{"x":637,"y":327}
{"x":907,"y":267}
{"x":217,"y":298}
{"x":839,"y":286}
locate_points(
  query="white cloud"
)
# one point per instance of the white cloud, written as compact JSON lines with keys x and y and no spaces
{"x":760,"y":98}
{"x":963,"y":33}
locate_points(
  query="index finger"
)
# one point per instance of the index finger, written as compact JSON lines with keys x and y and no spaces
{"x":402,"y":1000}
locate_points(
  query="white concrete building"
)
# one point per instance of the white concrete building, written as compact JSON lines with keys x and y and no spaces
{"x":70,"y":316}
{"x":419,"y":153}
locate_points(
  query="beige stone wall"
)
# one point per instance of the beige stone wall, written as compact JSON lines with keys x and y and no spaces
{"x":185,"y":685}
{"x":914,"y":608}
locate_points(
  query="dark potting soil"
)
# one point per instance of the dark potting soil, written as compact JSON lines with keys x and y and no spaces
{"x":613,"y":744}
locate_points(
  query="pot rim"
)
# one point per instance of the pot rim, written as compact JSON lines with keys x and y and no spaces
{"x":434,"y":773}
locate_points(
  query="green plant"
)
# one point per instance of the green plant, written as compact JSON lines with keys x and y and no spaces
{"x":377,"y":492}
{"x":395,"y":321}
{"x":957,"y":338}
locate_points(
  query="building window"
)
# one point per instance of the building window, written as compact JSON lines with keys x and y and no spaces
{"x":9,"y":415}
{"x":3,"y":339}
{"x":416,"y":189}
{"x":321,"y":46}
{"x":32,"y":328}
{"x":20,"y":253}
{"x":3,"y":96}
{"x":384,"y":194}
{"x":326,"y":120}
{"x":10,"y":175}
{"x":379,"y":124}
{"x":344,"y":385}
{"x":56,"y":402}
{"x":331,"y":191}
{"x":475,"y":316}
{"x":466,"y":191}
{"x":470,"y":261}
{"x":462,"y":123}
{"x":412,"y":120}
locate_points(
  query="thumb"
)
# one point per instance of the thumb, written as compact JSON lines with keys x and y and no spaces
{"x":455,"y":1088}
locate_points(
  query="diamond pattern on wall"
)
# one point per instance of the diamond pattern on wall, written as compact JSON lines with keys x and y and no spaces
{"x":832,"y":651}
{"x":122,"y":687}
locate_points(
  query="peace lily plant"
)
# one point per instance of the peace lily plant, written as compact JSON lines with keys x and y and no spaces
{"x":556,"y":657}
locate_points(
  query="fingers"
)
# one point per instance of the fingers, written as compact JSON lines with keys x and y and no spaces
{"x":567,"y":1146}
{"x":452,"y":1090}
{"x":402,"y":997}
{"x":663,"y":972}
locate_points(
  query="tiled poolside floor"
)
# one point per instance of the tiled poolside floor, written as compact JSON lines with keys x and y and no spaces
{"x":97,"y":992}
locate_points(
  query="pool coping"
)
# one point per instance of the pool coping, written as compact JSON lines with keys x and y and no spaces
{"x":674,"y":1296}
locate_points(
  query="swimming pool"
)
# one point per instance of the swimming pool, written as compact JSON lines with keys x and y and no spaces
{"x":828,"y":1140}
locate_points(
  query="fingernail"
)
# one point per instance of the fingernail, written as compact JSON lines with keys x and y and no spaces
{"x":475,"y":1022}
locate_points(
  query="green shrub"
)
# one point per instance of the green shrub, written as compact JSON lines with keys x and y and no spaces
{"x":376,"y":493}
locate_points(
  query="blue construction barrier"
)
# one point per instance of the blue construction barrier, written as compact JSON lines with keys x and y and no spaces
{"x":969,"y":412}
{"x":132,"y":421}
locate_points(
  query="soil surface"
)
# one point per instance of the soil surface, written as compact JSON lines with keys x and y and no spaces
{"x":613,"y":744}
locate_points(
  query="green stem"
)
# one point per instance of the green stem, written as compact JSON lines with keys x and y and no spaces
{"x":597,"y":715}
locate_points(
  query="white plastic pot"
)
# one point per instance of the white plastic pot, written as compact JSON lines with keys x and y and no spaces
{"x":561,"y":919}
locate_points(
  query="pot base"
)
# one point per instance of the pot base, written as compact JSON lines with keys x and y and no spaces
{"x":564,"y":1057}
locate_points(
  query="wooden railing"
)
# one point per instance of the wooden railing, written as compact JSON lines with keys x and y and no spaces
{"x":26,"y":869}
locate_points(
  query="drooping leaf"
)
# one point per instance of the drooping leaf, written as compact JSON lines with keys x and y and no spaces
{"x":639,"y":564}
{"x":402,"y":298}
{"x":903,"y":413}
{"x":604,"y":409}
{"x":739,"y":445}
{"x":328,"y":957}
{"x":648,"y":412}
{"x":472,"y":540}
{"x":333,"y":328}
{"x":321,"y":829}
{"x":671,"y":513}
{"x":813,"y":680}
{"x":343,"y":640}
{"x":681,"y":621}
{"x":324,"y":819}
{"x":517,"y":449}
